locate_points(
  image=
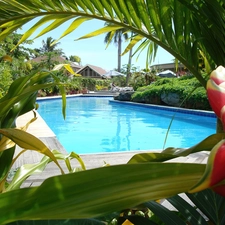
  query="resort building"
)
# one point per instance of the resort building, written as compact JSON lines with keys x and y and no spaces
{"x":180,"y":70}
{"x":91,"y":71}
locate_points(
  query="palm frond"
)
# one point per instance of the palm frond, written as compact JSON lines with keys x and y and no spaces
{"x":190,"y":208}
{"x":178,"y":24}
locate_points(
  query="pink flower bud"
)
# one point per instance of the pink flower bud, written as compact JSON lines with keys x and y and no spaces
{"x":216,"y":92}
{"x":214,"y":175}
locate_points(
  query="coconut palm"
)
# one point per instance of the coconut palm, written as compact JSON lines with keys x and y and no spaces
{"x":75,"y":58}
{"x":181,"y":27}
{"x":50,"y":52}
{"x":116,"y":37}
{"x":50,"y":45}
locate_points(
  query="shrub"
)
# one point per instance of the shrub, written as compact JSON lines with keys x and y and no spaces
{"x":5,"y":78}
{"x":191,"y":93}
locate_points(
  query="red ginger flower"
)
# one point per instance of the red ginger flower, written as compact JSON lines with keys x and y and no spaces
{"x":216,"y":92}
{"x":214,"y":175}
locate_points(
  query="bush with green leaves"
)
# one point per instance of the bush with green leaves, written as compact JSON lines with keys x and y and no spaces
{"x":119,"y":81}
{"x":141,"y":79}
{"x":191,"y":93}
{"x":5,"y":78}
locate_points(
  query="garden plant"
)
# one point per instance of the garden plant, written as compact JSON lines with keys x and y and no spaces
{"x":186,"y":29}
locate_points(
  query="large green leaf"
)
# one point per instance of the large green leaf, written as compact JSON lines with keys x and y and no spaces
{"x":29,"y":169}
{"x":151,"y":157}
{"x":6,"y":158}
{"x":60,"y":222}
{"x":96,"y":192}
{"x":28,"y":141}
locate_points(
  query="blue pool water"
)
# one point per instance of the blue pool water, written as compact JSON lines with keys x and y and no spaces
{"x":95,"y":125}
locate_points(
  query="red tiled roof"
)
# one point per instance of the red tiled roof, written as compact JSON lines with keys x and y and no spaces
{"x":55,"y":58}
{"x":59,"y":59}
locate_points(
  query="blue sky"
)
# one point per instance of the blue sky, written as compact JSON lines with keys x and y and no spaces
{"x":93,"y":50}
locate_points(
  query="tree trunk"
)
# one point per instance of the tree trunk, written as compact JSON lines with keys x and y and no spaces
{"x":129,"y":66}
{"x":119,"y":52}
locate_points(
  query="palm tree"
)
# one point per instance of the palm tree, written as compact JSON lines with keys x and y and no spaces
{"x":50,"y":51}
{"x":75,"y":58}
{"x":116,"y":37}
{"x":50,"y":46}
{"x":129,"y":63}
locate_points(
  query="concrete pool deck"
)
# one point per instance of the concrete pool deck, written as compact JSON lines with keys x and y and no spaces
{"x":41,"y":130}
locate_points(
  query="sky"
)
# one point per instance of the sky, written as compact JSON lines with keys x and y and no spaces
{"x":93,"y":50}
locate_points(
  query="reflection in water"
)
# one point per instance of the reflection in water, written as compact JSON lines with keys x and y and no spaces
{"x":95,"y":125}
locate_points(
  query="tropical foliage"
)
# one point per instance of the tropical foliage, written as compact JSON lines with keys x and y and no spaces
{"x":185,"y":29}
{"x":116,"y":37}
{"x":50,"y":45}
{"x":13,"y":64}
{"x":185,"y":92}
{"x":75,"y":58}
{"x":21,"y":52}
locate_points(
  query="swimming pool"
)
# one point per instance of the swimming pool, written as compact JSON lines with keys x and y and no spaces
{"x":97,"y":124}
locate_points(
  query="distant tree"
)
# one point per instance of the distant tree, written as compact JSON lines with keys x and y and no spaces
{"x":37,"y":52}
{"x":129,"y":64}
{"x":50,"y":46}
{"x":7,"y":47}
{"x":50,"y":52}
{"x":14,"y":61}
{"x":75,"y":58}
{"x":116,"y":37}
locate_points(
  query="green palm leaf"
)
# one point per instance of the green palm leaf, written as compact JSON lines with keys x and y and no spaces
{"x":75,"y":24}
{"x":101,"y":31}
{"x":190,"y":24}
{"x":196,"y":211}
{"x":215,"y":211}
{"x":98,"y":192}
{"x":164,"y":214}
{"x":56,"y":23}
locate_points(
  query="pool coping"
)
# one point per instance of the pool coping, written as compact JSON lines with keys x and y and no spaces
{"x":144,"y":105}
{"x":168,"y":108}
